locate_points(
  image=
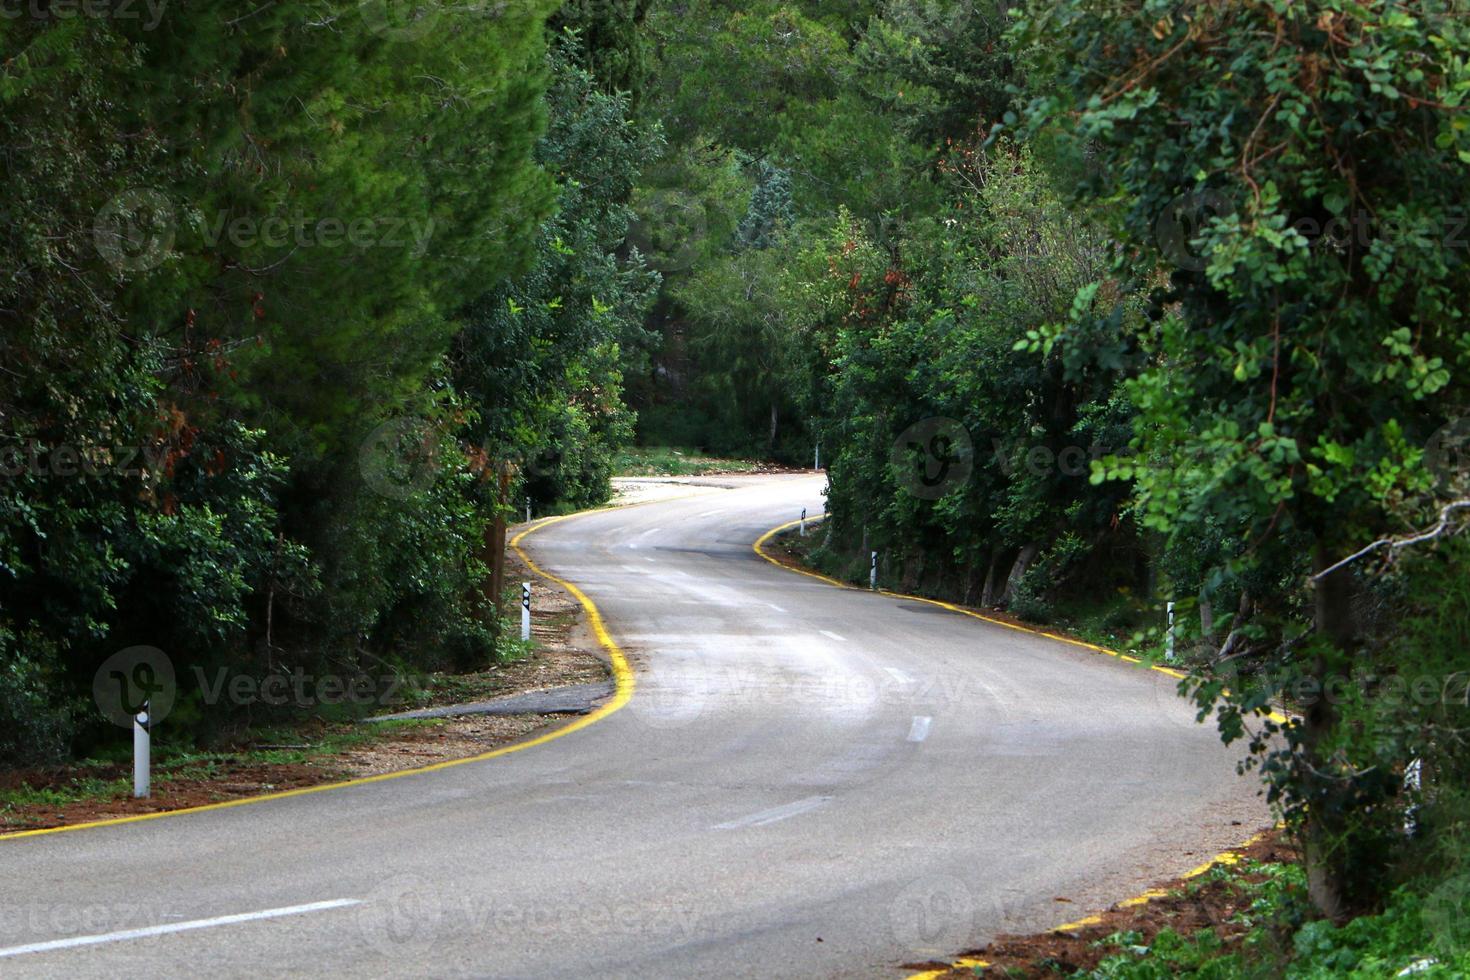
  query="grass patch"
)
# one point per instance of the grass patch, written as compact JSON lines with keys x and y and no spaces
{"x":676,"y":461}
{"x":80,"y":789}
{"x":1275,"y":936}
{"x":94,"y":780}
{"x":1110,"y":620}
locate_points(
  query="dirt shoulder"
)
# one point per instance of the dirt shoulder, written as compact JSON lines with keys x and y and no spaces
{"x":1216,"y":897}
{"x":565,"y":655}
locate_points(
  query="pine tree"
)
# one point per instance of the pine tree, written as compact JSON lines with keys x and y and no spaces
{"x":771,"y":209}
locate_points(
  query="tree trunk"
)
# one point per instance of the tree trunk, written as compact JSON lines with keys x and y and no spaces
{"x":771,"y":441}
{"x":1023,"y":561}
{"x":1334,"y":620}
{"x":497,"y":542}
{"x":987,"y":591}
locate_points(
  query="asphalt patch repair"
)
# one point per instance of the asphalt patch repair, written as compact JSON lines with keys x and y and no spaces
{"x":1185,"y":905}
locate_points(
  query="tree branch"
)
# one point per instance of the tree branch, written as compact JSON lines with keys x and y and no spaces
{"x":1396,"y":544}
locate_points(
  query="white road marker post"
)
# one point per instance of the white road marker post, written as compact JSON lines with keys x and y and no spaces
{"x":801,"y":530}
{"x":525,"y":610}
{"x":873,"y":573}
{"x":528,"y":510}
{"x":1169,"y":648}
{"x":1413,"y":782}
{"x":141,"y":754}
{"x":817,"y":457}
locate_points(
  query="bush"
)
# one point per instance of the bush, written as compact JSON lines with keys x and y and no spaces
{"x":1034,"y":595}
{"x":33,"y":730}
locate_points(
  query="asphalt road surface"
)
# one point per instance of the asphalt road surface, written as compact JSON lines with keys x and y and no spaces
{"x":808,"y":781}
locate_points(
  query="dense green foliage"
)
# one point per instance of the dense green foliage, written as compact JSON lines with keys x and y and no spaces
{"x":571,"y":323}
{"x":237,"y":425}
{"x":1306,"y":345}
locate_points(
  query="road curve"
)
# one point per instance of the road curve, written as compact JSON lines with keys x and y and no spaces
{"x":808,"y":781}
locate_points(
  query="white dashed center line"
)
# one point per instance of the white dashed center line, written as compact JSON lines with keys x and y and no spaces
{"x":163,"y":930}
{"x":774,"y":814}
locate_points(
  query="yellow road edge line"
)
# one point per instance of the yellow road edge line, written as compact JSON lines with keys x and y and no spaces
{"x":1082,"y":923}
{"x":623,"y":690}
{"x":1223,"y":858}
{"x":963,"y":963}
{"x":765,"y":539}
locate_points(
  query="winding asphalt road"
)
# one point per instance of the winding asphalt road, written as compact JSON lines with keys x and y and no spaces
{"x":808,"y":781}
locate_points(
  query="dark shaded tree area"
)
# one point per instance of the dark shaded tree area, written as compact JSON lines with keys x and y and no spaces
{"x":1296,"y":229}
{"x":246,"y":259}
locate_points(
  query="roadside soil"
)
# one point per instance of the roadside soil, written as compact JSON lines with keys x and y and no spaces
{"x":566,"y":653}
{"x":1186,"y":906}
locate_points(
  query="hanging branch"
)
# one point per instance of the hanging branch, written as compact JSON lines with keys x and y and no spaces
{"x":1397,"y":544}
